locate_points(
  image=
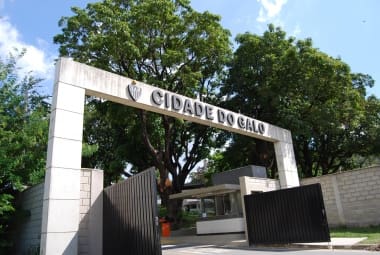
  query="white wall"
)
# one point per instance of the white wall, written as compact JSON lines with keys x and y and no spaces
{"x":30,"y":230}
{"x":232,"y":225}
{"x":351,"y":198}
{"x":255,"y":184}
{"x":90,"y":214}
{"x":90,"y":234}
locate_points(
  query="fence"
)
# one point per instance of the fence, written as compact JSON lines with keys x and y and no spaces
{"x":286,"y":216}
{"x":352,"y":198}
{"x":130,"y":223}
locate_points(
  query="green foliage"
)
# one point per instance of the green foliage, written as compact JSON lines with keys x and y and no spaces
{"x":162,"y":212}
{"x":164,"y":43}
{"x":23,"y":137}
{"x":112,"y":143}
{"x":6,"y":211}
{"x":291,"y":84}
{"x":188,"y":219}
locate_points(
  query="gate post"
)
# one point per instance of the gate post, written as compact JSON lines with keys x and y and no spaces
{"x":60,"y":214}
{"x":286,"y":163}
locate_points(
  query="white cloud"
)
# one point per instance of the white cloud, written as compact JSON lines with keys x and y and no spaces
{"x":35,"y":59}
{"x":269,"y":9}
{"x":296,"y":31}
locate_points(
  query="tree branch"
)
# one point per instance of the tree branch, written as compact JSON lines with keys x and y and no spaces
{"x":148,"y":144}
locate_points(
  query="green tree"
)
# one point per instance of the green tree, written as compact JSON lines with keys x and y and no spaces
{"x":161,"y":42}
{"x":23,"y":138}
{"x":291,"y":84}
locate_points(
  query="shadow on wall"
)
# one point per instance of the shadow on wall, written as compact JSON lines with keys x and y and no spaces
{"x":71,"y":246}
{"x":88,"y":240}
{"x":27,"y":229}
{"x":91,"y":227}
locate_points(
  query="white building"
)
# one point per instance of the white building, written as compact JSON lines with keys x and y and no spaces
{"x":221,"y":205}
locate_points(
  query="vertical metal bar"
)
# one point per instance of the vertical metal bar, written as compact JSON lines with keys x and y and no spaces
{"x":288,"y":215}
{"x":130,"y":210}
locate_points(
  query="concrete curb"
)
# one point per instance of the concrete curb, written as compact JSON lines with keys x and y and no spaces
{"x":371,"y":247}
{"x":234,"y":241}
{"x":326,"y":247}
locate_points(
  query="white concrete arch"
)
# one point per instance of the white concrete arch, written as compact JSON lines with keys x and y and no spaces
{"x":73,"y":81}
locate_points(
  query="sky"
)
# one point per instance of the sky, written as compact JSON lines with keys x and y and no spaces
{"x":345,"y":29}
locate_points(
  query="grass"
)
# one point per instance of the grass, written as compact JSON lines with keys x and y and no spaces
{"x":372,"y":233}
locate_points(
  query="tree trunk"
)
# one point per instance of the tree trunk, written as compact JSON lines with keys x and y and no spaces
{"x":174,"y":209}
{"x":166,"y":163}
{"x":308,"y":162}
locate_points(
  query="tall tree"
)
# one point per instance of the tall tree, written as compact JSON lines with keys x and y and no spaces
{"x":162,"y":42}
{"x":23,"y":138}
{"x":293,"y":85}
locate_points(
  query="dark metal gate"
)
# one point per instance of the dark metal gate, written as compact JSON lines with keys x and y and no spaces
{"x":130,"y":221}
{"x":293,"y":215}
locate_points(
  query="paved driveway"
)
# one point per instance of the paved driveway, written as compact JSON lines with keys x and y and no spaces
{"x":210,"y":249}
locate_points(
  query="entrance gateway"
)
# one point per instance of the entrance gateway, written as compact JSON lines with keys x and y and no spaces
{"x":73,"y":80}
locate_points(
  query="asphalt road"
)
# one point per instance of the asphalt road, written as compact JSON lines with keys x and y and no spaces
{"x":209,"y":250}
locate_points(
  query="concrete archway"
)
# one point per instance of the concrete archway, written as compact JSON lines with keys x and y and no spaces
{"x":73,"y":81}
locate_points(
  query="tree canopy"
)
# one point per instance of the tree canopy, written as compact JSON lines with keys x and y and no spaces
{"x":272,"y":77}
{"x":291,"y":84}
{"x":164,"y":43}
{"x":23,"y":137}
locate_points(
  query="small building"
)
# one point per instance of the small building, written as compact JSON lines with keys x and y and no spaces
{"x":221,"y":205}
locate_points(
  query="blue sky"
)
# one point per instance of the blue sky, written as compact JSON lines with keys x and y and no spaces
{"x":340,"y":28}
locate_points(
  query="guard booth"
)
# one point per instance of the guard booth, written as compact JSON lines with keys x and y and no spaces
{"x":221,"y":209}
